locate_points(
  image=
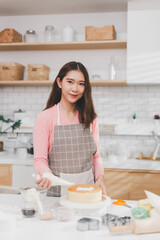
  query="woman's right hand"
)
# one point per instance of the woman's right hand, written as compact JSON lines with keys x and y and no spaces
{"x":43,"y":182}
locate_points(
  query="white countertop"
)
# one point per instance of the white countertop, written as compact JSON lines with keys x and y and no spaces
{"x":133,"y":164}
{"x":13,"y":158}
{"x":33,"y":228}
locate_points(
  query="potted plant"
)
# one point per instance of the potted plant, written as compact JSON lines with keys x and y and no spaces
{"x":156,"y":120}
{"x":13,"y":126}
{"x":157,"y":117}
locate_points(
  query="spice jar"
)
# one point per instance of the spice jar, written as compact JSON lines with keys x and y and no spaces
{"x":67,"y":34}
{"x":49,"y":33}
{"x":30,"y":36}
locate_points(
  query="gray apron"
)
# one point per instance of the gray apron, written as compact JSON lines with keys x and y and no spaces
{"x":71,"y":155}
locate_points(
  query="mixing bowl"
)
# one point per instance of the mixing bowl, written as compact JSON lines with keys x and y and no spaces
{"x":33,"y":194}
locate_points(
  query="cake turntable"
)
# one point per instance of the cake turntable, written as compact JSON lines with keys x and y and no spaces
{"x":104,"y":203}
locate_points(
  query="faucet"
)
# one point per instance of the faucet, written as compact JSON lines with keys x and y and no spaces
{"x":158,"y":145}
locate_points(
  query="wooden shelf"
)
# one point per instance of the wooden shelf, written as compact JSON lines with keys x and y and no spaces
{"x":113,"y":44}
{"x":49,"y":83}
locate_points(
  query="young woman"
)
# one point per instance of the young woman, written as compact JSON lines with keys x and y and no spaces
{"x":66,"y":133}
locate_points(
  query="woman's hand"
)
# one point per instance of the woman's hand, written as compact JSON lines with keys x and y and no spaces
{"x":43,"y":182}
{"x":100,"y":183}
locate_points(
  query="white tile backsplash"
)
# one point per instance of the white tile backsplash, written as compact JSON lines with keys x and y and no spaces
{"x":114,"y":105}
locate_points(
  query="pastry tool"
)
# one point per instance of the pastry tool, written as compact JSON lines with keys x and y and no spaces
{"x":122,"y":203}
{"x":107,"y":217}
{"x":85,"y":224}
{"x":54,"y":179}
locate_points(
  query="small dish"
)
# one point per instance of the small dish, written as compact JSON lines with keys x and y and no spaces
{"x":28,"y":212}
{"x":45,"y":213}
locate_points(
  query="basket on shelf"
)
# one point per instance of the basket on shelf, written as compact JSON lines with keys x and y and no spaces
{"x":10,"y":35}
{"x":100,"y":33}
{"x":38,"y":72}
{"x":11,"y":71}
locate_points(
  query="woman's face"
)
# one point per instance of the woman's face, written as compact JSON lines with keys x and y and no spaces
{"x":72,"y":86}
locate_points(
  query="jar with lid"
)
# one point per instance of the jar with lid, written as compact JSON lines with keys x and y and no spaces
{"x":49,"y":33}
{"x":68,"y":34}
{"x":30,"y":36}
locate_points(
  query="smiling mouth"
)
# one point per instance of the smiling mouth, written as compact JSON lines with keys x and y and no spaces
{"x":73,"y":95}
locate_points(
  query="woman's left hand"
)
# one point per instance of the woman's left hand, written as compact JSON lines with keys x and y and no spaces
{"x":100,"y":183}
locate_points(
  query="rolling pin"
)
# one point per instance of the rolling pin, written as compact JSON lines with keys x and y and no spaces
{"x":140,"y":226}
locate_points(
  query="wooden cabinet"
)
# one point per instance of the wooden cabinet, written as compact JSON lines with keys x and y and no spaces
{"x":16,"y":175}
{"x":130,"y":184}
{"x":6,"y":174}
{"x":117,"y":183}
{"x":140,"y":181}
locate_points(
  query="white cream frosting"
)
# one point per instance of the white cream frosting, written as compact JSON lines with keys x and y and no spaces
{"x":90,"y":189}
{"x":32,"y":195}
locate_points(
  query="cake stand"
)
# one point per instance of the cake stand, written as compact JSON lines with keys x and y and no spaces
{"x":89,"y":209}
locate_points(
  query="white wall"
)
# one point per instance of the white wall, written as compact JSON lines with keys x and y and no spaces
{"x":93,"y":59}
{"x":143,"y":48}
{"x":113,"y":104}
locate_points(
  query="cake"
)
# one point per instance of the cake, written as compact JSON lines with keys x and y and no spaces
{"x":84,"y":193}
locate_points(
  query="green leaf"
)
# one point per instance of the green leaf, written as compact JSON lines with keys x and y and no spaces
{"x":5,"y":120}
{"x":134,"y":116}
{"x":17,"y":124}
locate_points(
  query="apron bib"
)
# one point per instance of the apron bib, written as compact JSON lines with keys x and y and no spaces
{"x":71,"y":155}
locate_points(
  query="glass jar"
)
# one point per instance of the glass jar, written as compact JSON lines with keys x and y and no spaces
{"x":68,"y":34}
{"x":30,"y":36}
{"x":49,"y":33}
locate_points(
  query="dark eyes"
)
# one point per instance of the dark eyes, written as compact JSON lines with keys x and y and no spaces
{"x":81,"y":84}
{"x":71,"y":82}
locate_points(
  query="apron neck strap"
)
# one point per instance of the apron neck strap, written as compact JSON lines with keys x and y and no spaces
{"x":58,"y":117}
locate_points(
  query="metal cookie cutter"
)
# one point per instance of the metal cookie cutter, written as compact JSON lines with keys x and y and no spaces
{"x":107,"y":217}
{"x":85,"y":224}
{"x":120,"y":221}
{"x":93,"y":224}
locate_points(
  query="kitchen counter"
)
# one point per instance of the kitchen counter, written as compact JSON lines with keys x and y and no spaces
{"x":33,"y":228}
{"x":133,"y":164}
{"x":15,"y":159}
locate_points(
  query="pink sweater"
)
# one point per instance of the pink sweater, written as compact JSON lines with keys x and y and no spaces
{"x":43,"y":137}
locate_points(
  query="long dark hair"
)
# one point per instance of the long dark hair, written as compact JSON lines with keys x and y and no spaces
{"x":85,"y":104}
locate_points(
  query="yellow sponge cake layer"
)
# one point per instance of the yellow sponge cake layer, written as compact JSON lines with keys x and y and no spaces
{"x":84,"y":193}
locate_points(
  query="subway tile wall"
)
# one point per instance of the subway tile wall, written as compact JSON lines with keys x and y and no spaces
{"x":113,"y":105}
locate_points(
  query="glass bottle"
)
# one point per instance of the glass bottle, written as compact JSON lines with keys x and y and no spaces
{"x":49,"y":33}
{"x":113,"y":69}
{"x":30,"y":36}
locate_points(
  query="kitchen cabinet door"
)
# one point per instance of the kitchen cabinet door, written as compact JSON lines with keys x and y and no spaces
{"x":6,"y":174}
{"x":143,"y":181}
{"x":143,"y":58}
{"x":117,"y":183}
{"x":22,"y":176}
